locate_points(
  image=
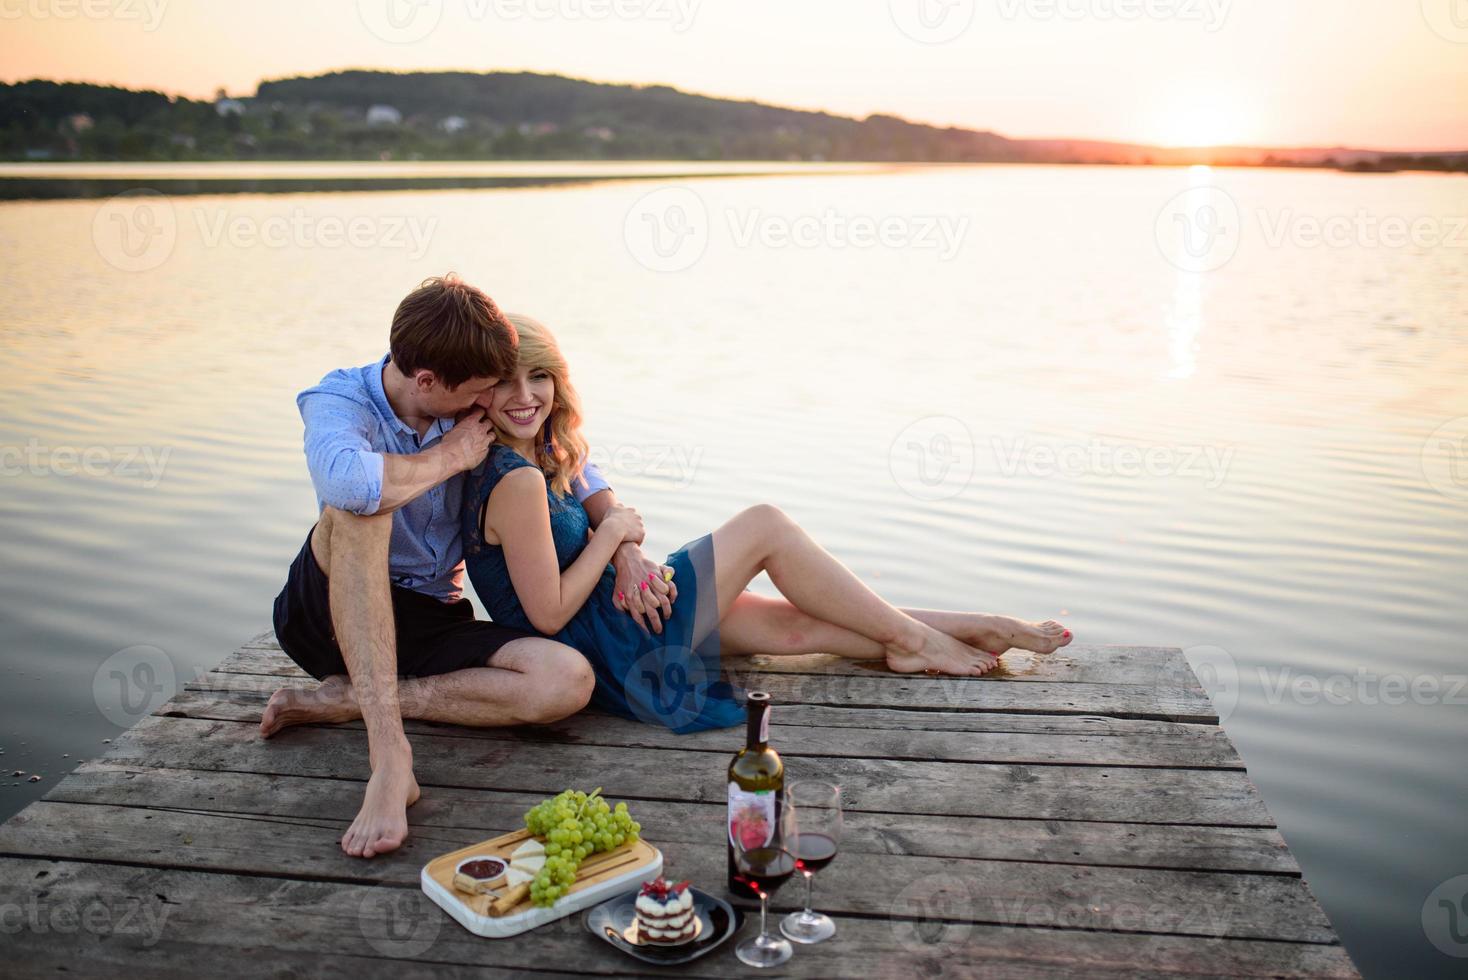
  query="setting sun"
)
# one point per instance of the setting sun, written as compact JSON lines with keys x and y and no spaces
{"x":1204,"y":117}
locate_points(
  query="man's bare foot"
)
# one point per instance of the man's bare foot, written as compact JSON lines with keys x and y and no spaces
{"x":382,"y":823}
{"x":996,"y":634}
{"x":935,"y":652}
{"x":330,"y":701}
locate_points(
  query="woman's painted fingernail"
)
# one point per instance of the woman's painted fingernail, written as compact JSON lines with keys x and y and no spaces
{"x":644,"y":586}
{"x":621,"y":596}
{"x":1067,"y":634}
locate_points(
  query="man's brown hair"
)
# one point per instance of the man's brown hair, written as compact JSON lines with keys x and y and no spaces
{"x":454,"y":330}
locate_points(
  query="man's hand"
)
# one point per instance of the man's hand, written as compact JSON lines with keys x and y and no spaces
{"x":468,"y":442}
{"x":643,"y":589}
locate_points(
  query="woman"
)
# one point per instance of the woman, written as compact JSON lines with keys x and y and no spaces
{"x":537,"y":565}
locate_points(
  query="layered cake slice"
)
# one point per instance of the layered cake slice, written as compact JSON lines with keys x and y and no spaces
{"x":665,"y":913}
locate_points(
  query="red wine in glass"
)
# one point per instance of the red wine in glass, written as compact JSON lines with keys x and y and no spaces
{"x":765,"y":869}
{"x":813,"y":851}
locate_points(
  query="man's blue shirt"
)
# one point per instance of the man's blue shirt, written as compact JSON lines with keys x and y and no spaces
{"x":350,"y":426}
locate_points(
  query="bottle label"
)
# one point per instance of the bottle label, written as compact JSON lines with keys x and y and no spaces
{"x":751,"y":816}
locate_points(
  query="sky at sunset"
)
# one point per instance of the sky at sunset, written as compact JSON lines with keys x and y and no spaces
{"x":1387,"y":74}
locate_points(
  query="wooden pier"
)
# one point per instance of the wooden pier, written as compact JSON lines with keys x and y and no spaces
{"x":1081,"y":814}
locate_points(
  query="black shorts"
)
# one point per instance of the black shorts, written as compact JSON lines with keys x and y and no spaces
{"x":433,"y":637}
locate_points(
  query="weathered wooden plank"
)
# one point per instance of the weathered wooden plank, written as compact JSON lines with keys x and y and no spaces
{"x":1008,"y":893}
{"x":822,"y":715}
{"x":1173,"y":700}
{"x":227,"y":921}
{"x":1193,"y":796}
{"x":1191,"y":746}
{"x":333,"y":803}
{"x":1077,"y":663}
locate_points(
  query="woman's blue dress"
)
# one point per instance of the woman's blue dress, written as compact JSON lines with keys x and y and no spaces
{"x":669,"y":679}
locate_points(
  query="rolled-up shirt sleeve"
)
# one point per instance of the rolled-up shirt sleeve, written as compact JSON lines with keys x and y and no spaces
{"x":590,"y":482}
{"x":345,"y":469}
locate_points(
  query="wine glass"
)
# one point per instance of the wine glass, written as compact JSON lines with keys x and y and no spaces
{"x":815,"y":816}
{"x":764,"y":863}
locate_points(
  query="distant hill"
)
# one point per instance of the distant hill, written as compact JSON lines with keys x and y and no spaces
{"x":367,"y":115}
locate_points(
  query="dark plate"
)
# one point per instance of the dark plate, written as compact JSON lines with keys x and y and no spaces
{"x":718,"y":920}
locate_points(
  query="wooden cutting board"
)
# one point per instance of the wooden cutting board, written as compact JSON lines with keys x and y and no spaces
{"x":594,"y":869}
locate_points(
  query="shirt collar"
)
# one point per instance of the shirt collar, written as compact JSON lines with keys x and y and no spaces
{"x":378,"y":394}
{"x":375,"y":391}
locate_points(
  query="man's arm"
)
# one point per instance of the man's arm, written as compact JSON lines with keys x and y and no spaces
{"x":650,"y":606}
{"x":352,"y":476}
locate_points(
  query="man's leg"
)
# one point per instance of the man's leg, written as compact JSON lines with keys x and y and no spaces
{"x":353,"y":552}
{"x":527,"y":681}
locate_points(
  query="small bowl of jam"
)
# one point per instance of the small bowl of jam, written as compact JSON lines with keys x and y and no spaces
{"x":480,"y":874}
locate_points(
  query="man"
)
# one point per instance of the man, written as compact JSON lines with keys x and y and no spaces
{"x":376,"y":591}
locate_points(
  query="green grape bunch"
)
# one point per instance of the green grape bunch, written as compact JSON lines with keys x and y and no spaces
{"x":574,"y":824}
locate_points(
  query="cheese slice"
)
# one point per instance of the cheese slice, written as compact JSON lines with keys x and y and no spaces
{"x":527,"y":849}
{"x":531,"y":863}
{"x":515,"y":876}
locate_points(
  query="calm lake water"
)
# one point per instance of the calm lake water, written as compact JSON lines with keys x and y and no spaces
{"x":1234,"y":421}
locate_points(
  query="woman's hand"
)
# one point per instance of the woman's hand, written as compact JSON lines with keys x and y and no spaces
{"x":644,"y":589}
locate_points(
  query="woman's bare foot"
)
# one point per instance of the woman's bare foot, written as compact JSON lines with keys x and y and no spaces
{"x":996,"y":634}
{"x":330,"y":701}
{"x":382,"y":823}
{"x":933,"y":652}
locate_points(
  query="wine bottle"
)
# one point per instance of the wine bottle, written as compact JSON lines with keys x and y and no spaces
{"x":756,"y":782}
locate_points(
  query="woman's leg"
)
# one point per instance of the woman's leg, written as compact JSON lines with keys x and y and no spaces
{"x":770,"y":625}
{"x":763,"y":539}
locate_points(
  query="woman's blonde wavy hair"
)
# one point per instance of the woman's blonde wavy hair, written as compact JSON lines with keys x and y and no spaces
{"x":560,"y":450}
